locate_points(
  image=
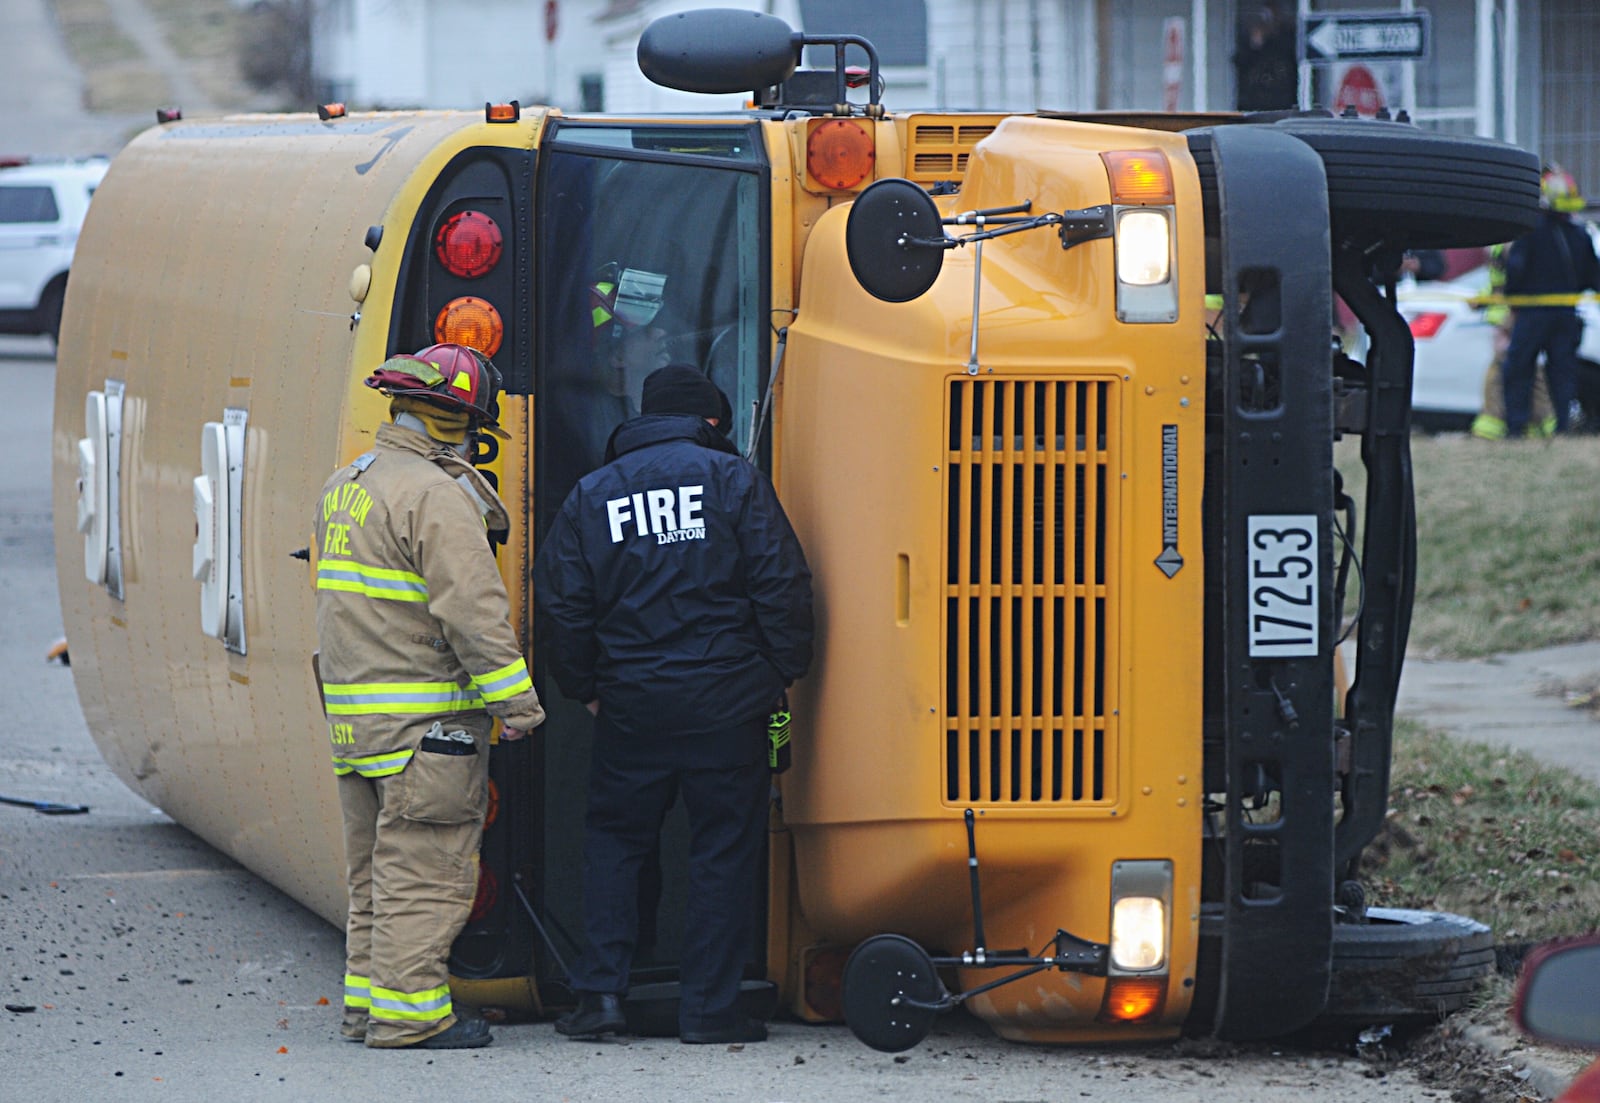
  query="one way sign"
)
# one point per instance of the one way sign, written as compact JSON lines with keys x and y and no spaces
{"x":1365,"y":36}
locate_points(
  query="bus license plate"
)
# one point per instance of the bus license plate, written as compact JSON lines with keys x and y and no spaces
{"x":1283,"y":586}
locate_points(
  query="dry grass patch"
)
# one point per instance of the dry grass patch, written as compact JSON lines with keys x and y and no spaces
{"x":1508,"y":541}
{"x":93,"y":38}
{"x":1490,"y":833}
{"x":199,"y":30}
{"x":126,"y":88}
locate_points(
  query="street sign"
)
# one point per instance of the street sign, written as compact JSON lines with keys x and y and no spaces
{"x":1365,"y":36}
{"x":552,"y":16}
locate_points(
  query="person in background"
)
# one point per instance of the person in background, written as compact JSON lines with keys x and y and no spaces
{"x":1490,"y":424}
{"x":1547,"y":271}
{"x":679,"y":610}
{"x":417,"y":655}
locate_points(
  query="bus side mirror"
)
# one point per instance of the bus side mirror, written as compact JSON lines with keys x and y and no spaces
{"x":718,"y":50}
{"x":1556,"y":997}
{"x":895,"y":240}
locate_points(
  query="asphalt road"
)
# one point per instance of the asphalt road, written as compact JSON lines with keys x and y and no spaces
{"x":139,"y":963}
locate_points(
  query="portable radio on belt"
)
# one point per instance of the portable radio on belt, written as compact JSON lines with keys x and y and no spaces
{"x":778,"y":737}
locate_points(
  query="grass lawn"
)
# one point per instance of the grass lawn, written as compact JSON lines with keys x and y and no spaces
{"x":1491,"y":833}
{"x":1508,"y":542}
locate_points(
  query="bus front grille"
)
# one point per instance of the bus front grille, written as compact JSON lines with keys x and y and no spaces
{"x":1032,"y":490}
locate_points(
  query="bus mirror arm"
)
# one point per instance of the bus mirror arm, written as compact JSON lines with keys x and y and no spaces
{"x":892,"y":986}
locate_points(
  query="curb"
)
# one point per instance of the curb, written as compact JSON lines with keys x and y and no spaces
{"x":1542,"y":1074}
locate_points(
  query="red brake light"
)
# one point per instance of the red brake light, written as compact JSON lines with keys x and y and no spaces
{"x":1427,"y":324}
{"x":468,"y":244}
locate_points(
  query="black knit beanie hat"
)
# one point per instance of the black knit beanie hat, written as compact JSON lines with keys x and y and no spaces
{"x":683,"y":389}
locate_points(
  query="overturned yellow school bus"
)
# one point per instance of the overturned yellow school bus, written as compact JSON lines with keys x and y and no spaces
{"x":1051,"y":400}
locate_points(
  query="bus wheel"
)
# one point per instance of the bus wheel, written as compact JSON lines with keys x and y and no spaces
{"x":48,"y":316}
{"x":1416,"y":189}
{"x":1405,"y":968}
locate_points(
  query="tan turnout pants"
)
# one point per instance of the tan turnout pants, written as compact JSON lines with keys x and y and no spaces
{"x":1491,"y":421}
{"x":411,"y":848}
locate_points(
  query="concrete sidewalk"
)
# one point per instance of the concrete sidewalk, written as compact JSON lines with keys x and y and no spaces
{"x":1513,"y":700}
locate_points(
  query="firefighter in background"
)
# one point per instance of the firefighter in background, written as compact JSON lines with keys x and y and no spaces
{"x":1547,"y":271}
{"x":417,"y":654}
{"x":1490,"y":424}
{"x":623,"y":305}
{"x":679,"y":604}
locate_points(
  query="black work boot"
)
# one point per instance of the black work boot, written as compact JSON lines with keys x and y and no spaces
{"x":597,"y":1013}
{"x":461,"y":1034}
{"x":744,"y":1030}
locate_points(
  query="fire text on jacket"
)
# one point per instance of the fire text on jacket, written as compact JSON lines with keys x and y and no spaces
{"x":670,"y":514}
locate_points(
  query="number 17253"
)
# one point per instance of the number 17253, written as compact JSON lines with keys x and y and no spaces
{"x":1283,"y":585}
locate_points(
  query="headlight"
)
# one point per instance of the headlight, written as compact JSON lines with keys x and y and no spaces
{"x":1138,"y":933}
{"x":1144,"y":247}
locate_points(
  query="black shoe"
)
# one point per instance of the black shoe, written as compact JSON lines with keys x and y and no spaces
{"x":461,"y":1034}
{"x":746,"y":1030}
{"x":597,"y":1013}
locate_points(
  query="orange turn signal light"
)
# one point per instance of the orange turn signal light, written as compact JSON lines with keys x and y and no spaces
{"x":1130,"y":999}
{"x":839,"y":154}
{"x":502,"y":112}
{"x":326,"y":111}
{"x":1139,"y":176}
{"x":470,"y":321}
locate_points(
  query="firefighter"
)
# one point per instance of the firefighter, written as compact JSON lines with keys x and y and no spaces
{"x":1547,"y":271}
{"x":417,"y":654}
{"x":1490,"y":424}
{"x":680,"y":610}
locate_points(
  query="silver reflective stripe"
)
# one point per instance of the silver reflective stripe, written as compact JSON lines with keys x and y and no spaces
{"x":393,"y":697}
{"x":369,"y":583}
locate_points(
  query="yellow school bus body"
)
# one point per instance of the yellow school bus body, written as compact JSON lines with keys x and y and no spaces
{"x":214,"y":273}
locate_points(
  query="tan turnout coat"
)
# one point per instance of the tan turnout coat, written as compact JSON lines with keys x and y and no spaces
{"x":412,"y":615}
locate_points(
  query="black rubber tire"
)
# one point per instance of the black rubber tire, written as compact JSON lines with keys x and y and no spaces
{"x":1411,"y":189}
{"x":1405,"y":968}
{"x":47,"y":316}
{"x":1416,"y":189}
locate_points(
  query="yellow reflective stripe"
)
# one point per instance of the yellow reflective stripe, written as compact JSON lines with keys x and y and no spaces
{"x":357,"y":991}
{"x":396,"y":698}
{"x":1488,"y":428}
{"x":1554,"y":298}
{"x":373,"y":765}
{"x":508,"y":681}
{"x":380,"y":582}
{"x":426,"y":1006}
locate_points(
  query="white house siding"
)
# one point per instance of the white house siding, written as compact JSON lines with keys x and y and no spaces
{"x":453,"y":53}
{"x":982,"y":53}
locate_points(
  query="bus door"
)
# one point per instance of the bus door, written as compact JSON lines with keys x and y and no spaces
{"x":651,"y":249}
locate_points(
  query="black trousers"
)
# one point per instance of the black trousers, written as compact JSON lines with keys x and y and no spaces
{"x":632,"y":783}
{"x":1557,"y":332}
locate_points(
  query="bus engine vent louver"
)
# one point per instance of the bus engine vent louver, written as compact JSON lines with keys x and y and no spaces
{"x":1032,"y":489}
{"x":938,"y":148}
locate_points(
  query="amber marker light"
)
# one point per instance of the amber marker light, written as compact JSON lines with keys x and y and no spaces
{"x":468,"y":244}
{"x":326,"y":111}
{"x":472,"y":322}
{"x":1139,"y":176}
{"x":502,"y":112}
{"x":839,"y":154}
{"x":1130,"y":999}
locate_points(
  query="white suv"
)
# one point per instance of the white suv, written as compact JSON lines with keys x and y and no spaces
{"x":42,"y":205}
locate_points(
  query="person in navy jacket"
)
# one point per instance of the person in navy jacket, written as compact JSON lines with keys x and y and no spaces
{"x":678,"y":605}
